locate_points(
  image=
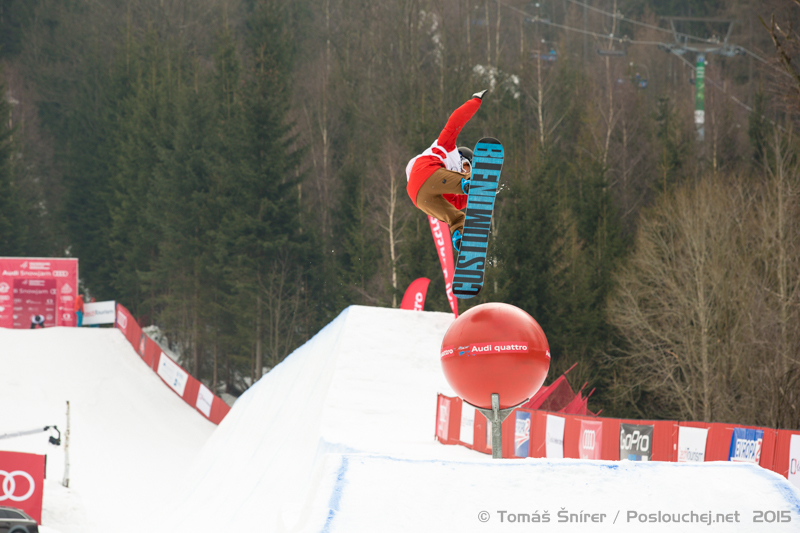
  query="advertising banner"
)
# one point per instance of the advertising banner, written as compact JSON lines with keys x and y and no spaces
{"x":204,"y":400}
{"x":467,"y":424}
{"x":99,"y":313}
{"x":692,"y":444}
{"x":443,"y":420}
{"x":31,"y":287}
{"x":635,"y":442}
{"x":22,"y":482}
{"x":172,"y":374}
{"x":522,"y":433}
{"x":590,"y":444}
{"x":746,"y":445}
{"x":554,"y":437}
{"x":794,"y":461}
{"x":444,"y":248}
{"x":414,"y":298}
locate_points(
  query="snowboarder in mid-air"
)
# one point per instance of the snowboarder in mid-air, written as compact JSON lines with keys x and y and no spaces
{"x":438,"y":178}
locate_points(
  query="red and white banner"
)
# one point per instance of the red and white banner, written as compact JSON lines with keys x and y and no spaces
{"x":22,"y":482}
{"x":590,"y":443}
{"x":444,"y":247}
{"x":414,"y":298}
{"x":32,"y":286}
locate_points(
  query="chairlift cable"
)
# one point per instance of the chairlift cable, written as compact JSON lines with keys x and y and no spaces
{"x":632,"y":21}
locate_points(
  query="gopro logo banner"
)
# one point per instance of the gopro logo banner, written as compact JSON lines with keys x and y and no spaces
{"x":635,"y":442}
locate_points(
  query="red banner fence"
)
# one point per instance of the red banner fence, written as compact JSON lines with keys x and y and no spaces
{"x":775,"y":446}
{"x":190,"y":389}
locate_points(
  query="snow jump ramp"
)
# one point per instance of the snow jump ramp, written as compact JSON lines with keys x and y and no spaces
{"x":339,"y":438}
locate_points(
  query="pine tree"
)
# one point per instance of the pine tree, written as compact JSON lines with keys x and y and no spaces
{"x":12,"y":223}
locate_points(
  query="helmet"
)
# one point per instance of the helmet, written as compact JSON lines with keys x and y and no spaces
{"x":466,"y":153}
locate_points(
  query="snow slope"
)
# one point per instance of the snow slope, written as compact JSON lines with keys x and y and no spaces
{"x":339,"y":438}
{"x":130,"y":434}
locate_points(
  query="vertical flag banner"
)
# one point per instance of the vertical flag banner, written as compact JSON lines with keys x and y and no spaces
{"x":522,"y":433}
{"x":635,"y":442}
{"x":746,"y":445}
{"x":554,"y":437}
{"x":414,"y":298}
{"x":31,"y":286}
{"x":467,"y":423}
{"x":794,"y":461}
{"x":692,"y":444}
{"x":590,"y":443}
{"x":444,"y":247}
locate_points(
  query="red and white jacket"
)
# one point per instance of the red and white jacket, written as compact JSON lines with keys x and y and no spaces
{"x":442,"y":154}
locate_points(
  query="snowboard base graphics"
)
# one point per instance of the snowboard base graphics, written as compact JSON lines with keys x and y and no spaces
{"x":487,"y":162}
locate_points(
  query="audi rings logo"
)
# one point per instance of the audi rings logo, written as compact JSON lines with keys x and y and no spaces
{"x":10,"y":486}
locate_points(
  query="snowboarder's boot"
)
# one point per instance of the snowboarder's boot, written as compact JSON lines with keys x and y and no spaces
{"x":457,"y":240}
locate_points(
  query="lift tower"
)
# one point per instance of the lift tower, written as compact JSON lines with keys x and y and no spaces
{"x":700,"y":46}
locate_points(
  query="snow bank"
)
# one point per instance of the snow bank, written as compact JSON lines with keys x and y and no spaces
{"x":131,"y":436}
{"x":337,"y":438}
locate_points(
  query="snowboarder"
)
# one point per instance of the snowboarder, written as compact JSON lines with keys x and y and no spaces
{"x":438,"y":178}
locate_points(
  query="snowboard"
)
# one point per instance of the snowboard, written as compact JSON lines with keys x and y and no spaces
{"x":487,"y":162}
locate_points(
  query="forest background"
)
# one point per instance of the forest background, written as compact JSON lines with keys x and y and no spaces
{"x":233,"y":171}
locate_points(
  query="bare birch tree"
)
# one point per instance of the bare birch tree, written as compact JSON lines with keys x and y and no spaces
{"x":676,"y":301}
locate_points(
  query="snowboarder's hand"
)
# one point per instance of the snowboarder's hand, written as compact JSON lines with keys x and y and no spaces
{"x":480,"y":94}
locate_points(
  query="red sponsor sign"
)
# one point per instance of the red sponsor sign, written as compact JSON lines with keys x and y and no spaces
{"x":414,"y":298}
{"x":444,"y":247}
{"x":590,"y":439}
{"x":486,"y":347}
{"x":22,"y":482}
{"x":37,"y":286}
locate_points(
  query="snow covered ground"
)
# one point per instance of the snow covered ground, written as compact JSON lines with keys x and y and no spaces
{"x":337,"y":438}
{"x":129,"y":433}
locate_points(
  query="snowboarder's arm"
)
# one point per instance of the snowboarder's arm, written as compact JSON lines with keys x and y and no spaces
{"x":447,"y":139}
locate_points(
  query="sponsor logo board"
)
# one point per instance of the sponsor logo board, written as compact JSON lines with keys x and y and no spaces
{"x":746,"y":445}
{"x":590,"y":443}
{"x":554,"y":435}
{"x":692,"y":444}
{"x":172,"y":374}
{"x":635,"y":442}
{"x":204,"y":400}
{"x":522,"y":433}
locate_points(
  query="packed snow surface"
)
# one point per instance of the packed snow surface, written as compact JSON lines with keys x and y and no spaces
{"x":130,"y":435}
{"x":337,"y":438}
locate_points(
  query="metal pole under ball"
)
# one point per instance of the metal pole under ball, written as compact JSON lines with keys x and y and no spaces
{"x":496,"y":416}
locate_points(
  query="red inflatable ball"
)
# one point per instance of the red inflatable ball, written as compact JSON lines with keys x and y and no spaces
{"x":495,"y":348}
